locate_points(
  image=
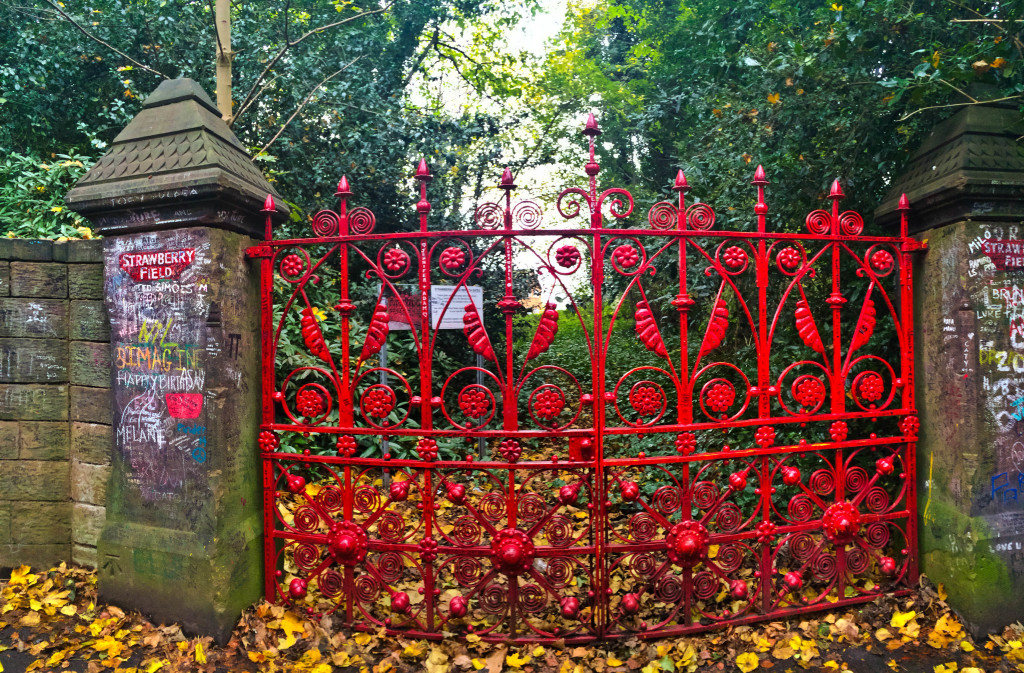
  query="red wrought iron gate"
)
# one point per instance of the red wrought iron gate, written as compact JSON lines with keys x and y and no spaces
{"x":697,"y":427}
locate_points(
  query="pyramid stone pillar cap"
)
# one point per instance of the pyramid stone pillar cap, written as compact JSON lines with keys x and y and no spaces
{"x":176,"y":164}
{"x":971,"y":167}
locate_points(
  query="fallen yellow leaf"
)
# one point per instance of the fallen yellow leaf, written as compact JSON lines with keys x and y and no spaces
{"x":966,"y":646}
{"x":900,"y":619}
{"x":478,"y":664}
{"x":612,"y":661}
{"x":747,"y":662}
{"x":200,"y":655}
{"x":515,"y":661}
{"x":362,"y":639}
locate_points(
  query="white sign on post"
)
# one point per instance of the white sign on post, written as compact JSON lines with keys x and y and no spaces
{"x":452,"y":316}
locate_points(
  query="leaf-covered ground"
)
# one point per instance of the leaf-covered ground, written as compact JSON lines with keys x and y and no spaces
{"x":51,"y":621}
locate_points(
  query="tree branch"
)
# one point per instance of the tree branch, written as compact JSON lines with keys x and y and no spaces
{"x":419,"y":59}
{"x":939,"y":107}
{"x":106,"y":44}
{"x":959,"y":90}
{"x":305,"y":100}
{"x":251,"y":95}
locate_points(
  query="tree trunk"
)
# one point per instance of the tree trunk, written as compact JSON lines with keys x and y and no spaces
{"x":224,"y":54}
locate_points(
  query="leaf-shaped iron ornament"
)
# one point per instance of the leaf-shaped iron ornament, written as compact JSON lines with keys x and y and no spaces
{"x":546,"y":331}
{"x":806,"y":327}
{"x":716,"y":328}
{"x":865,"y":325}
{"x":376,"y":333}
{"x":312,"y":335}
{"x":473,"y":328}
{"x":647,"y":330}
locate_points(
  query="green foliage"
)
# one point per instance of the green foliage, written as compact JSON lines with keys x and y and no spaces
{"x":32,"y":196}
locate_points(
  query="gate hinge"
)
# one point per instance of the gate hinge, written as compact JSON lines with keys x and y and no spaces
{"x":258,"y":251}
{"x":914,"y":245}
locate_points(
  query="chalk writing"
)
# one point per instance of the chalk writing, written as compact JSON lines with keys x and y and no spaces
{"x":158,"y":303}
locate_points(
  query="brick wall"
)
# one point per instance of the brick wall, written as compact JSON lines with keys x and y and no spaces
{"x":55,"y":411}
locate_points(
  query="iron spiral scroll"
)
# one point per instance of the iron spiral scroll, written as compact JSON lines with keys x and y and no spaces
{"x":715,"y":478}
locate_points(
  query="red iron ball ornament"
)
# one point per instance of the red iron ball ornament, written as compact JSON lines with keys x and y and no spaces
{"x":297,"y":589}
{"x":687,"y":543}
{"x":399,"y":490}
{"x":346,"y":541}
{"x":458,"y":607}
{"x":841,"y":522}
{"x":512,"y":551}
{"x":570,"y":606}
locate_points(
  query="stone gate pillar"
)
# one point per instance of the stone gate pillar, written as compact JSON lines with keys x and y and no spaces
{"x":966,"y":190}
{"x":177,"y":200}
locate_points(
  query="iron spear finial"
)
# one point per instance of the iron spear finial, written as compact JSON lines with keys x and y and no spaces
{"x":422,"y":172}
{"x":760,"y":177}
{"x":837,"y":190}
{"x":343,"y":189}
{"x":681,"y":185}
{"x":506,"y":180}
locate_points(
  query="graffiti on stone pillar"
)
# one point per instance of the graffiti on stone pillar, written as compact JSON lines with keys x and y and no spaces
{"x":158,"y":299}
{"x":995,"y":270}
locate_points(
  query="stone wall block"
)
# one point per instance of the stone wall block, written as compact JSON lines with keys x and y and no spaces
{"x":40,"y":522}
{"x":87,"y":523}
{"x":9,"y":433}
{"x":91,"y":443}
{"x":83,"y":555}
{"x":33,"y":402}
{"x":5,"y":279}
{"x":90,"y":364}
{"x":33,"y":361}
{"x":43,"y":318}
{"x":36,"y":279}
{"x":89,"y":405}
{"x":37,"y":480}
{"x":38,"y":556}
{"x":89,"y":483}
{"x":78,"y":251}
{"x":85,"y":281}
{"x":45,"y":440}
{"x":5,"y":522}
{"x":26,"y":249}
{"x":89,"y":321}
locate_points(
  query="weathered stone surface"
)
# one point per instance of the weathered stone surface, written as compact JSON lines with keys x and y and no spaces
{"x":207,"y":407}
{"x":5,"y":522}
{"x":89,"y":483}
{"x":33,"y":361}
{"x":5,"y":279}
{"x":91,"y":442}
{"x":40,"y":522}
{"x":90,"y":364}
{"x":33,"y":402}
{"x":89,"y":321}
{"x":42,"y":480}
{"x":78,"y":251}
{"x":35,"y":555}
{"x":87,"y":523}
{"x":44,"y":318}
{"x":85,"y":281}
{"x":83,"y":555}
{"x":26,"y":249}
{"x":38,"y":279}
{"x":969,"y":361}
{"x":9,"y":432}
{"x":45,"y":440}
{"x":91,"y":405}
